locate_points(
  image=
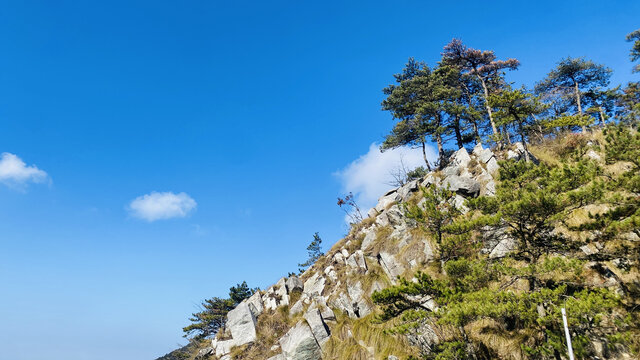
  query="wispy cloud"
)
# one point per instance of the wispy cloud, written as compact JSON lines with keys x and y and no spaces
{"x":161,"y":206}
{"x":369,"y":176}
{"x":15,"y":173}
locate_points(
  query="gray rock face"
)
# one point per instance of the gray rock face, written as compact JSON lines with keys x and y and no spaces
{"x":430,"y":180}
{"x":498,"y":242}
{"x":223,"y":347}
{"x":318,"y":327}
{"x":327,"y":313}
{"x":487,"y":157}
{"x":460,"y":159}
{"x":255,"y":304}
{"x":242,"y":324}
{"x":356,"y":261}
{"x":423,"y":337}
{"x":331,"y":273}
{"x":463,"y":185}
{"x":458,"y":202}
{"x":277,"y":357}
{"x":483,"y":155}
{"x":314,"y":285}
{"x":407,"y":189}
{"x":293,"y":283}
{"x":369,"y":238}
{"x":343,"y":303}
{"x":518,"y":153}
{"x":297,"y":307}
{"x":351,"y":302}
{"x":300,"y":344}
{"x":338,"y":258}
{"x":390,"y":266}
{"x":386,"y":200}
{"x":492,"y":166}
{"x":359,"y":305}
{"x":395,"y":215}
{"x":281,"y":292}
{"x":488,"y":185}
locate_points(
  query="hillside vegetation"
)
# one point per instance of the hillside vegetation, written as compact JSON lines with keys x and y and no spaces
{"x":532,"y":206}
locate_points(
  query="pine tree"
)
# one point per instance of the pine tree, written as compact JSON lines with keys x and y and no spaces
{"x":516,"y":108}
{"x":577,"y":75}
{"x":315,"y":252}
{"x":213,"y":314}
{"x":212,"y":318}
{"x":482,"y":64}
{"x":403,"y":101}
{"x":635,"y":50}
{"x":420,"y":103}
{"x":628,"y":104}
{"x":240,"y":292}
{"x":602,"y":102}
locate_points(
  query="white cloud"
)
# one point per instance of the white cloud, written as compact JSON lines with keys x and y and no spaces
{"x":14,"y":171}
{"x":368,"y":177}
{"x":162,"y":205}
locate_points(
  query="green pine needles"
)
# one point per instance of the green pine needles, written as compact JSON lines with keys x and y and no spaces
{"x":509,"y":306}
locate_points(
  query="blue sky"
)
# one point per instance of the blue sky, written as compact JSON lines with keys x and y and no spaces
{"x":159,"y":152}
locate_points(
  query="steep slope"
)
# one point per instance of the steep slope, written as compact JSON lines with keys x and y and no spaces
{"x":328,"y":312}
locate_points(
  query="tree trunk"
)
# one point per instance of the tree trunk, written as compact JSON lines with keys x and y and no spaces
{"x":456,"y":129}
{"x":578,"y":101}
{"x":506,"y":134}
{"x":524,"y":141}
{"x":440,"y":151}
{"x":601,"y":115}
{"x":476,"y":133}
{"x":487,"y":106}
{"x":424,"y":155}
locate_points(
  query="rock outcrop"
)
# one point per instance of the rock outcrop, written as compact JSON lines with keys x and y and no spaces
{"x":300,"y":344}
{"x":382,"y":249}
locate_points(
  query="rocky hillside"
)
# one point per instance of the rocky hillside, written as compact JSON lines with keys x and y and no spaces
{"x":328,"y":311}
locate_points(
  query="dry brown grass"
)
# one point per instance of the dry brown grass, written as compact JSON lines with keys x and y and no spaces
{"x":505,"y":345}
{"x":347,"y":334}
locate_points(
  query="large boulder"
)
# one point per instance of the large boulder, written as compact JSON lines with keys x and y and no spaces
{"x":223,"y":347}
{"x":407,"y":189}
{"x":386,"y":200}
{"x":483,"y":155}
{"x":314,"y":285}
{"x":300,"y":344}
{"x":390,"y":266}
{"x":242,"y":324}
{"x":460,"y":158}
{"x":297,"y":307}
{"x":463,"y":185}
{"x":369,"y":237}
{"x":294,"y":284}
{"x":255,"y":304}
{"x":356,"y":261}
{"x":360,"y":306}
{"x":276,"y":296}
{"x":318,"y":327}
{"x":518,"y":152}
{"x":281,"y":292}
